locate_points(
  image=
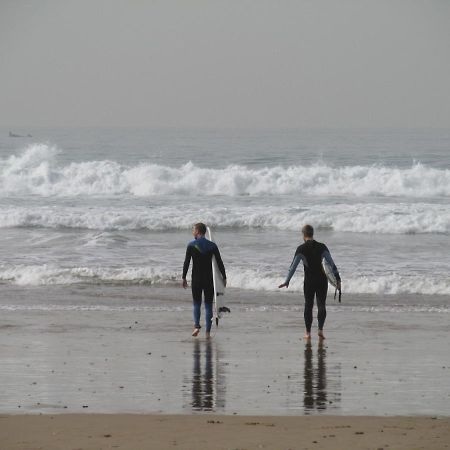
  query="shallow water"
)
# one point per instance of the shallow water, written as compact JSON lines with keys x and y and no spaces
{"x":130,"y":350}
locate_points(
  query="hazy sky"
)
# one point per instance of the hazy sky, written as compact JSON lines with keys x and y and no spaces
{"x":189,"y":63}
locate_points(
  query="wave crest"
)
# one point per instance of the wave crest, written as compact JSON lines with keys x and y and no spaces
{"x":35,"y":172}
{"x":255,"y":280}
{"x":357,"y":218}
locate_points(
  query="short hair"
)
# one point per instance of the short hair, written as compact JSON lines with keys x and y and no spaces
{"x":200,"y":227}
{"x":308,"y":231}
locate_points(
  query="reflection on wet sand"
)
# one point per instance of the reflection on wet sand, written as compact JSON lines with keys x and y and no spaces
{"x":208,"y":380}
{"x":315,"y":379}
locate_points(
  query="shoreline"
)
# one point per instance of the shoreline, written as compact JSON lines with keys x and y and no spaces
{"x":205,"y":431}
{"x":65,"y":357}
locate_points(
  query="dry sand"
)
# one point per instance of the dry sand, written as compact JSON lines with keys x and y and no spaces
{"x":138,"y":432}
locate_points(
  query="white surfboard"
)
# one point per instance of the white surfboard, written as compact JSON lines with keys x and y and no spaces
{"x":219,"y":286}
{"x":328,"y":270}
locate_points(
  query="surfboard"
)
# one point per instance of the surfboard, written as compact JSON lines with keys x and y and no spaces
{"x":328,"y":270}
{"x":219,"y":287}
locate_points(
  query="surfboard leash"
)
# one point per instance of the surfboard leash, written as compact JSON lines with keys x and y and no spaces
{"x":340,"y":294}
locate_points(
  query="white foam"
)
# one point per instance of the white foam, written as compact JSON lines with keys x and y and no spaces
{"x":397,"y":218}
{"x":257,"y":280}
{"x":49,"y":274}
{"x":36,"y":172}
{"x":392,"y":284}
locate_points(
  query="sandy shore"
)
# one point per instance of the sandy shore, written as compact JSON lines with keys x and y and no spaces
{"x":114,"y":351}
{"x":117,"y":368}
{"x":133,"y":432}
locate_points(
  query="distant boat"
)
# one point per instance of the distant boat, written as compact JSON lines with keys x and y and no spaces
{"x":13,"y":135}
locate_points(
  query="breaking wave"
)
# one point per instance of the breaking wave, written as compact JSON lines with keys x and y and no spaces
{"x":36,"y":172}
{"x":49,"y":274}
{"x":396,"y":218}
{"x":254,"y":280}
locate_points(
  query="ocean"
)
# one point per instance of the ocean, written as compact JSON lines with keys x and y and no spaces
{"x":115,"y":206}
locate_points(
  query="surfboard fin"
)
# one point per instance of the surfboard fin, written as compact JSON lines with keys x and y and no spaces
{"x":224,"y":309}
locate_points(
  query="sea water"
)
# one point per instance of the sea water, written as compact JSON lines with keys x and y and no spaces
{"x":97,"y":206}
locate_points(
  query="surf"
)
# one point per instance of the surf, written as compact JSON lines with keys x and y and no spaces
{"x":257,"y":279}
{"x":37,"y":171}
{"x":374,"y":218}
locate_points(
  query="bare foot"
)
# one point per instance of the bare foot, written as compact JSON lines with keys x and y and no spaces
{"x":195,"y":332}
{"x":207,"y":335}
{"x":307,"y":337}
{"x":321,"y":335}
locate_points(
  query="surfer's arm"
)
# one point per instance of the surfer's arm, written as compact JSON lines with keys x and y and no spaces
{"x":327,"y":255}
{"x":295,"y":262}
{"x":220,"y":263}
{"x":187,"y":261}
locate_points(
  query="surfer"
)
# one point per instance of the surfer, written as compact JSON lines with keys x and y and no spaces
{"x":201,"y":250}
{"x":315,"y":284}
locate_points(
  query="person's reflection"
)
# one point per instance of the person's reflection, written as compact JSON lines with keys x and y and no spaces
{"x":321,"y":392}
{"x":315,"y":379}
{"x":207,"y":386}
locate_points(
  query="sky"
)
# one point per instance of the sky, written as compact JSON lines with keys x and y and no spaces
{"x":225,"y":64}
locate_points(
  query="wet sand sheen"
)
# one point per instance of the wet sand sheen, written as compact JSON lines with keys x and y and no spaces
{"x":145,"y":361}
{"x":129,"y":432}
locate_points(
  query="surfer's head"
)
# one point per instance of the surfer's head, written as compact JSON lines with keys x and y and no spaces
{"x":308,"y":232}
{"x":199,"y":229}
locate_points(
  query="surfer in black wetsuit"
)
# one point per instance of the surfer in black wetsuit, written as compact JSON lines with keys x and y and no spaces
{"x":201,"y":251}
{"x":315,"y":284}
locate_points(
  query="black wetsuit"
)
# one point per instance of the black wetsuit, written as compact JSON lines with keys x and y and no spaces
{"x":201,"y":251}
{"x":315,"y":282}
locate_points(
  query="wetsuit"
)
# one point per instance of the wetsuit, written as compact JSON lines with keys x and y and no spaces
{"x":201,"y":251}
{"x":315,"y":282}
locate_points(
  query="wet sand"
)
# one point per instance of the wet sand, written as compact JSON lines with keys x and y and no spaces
{"x":129,"y":350}
{"x":131,"y":432}
{"x":76,"y":362}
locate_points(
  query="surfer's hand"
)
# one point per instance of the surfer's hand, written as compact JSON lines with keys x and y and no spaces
{"x":185,"y":284}
{"x":283,"y":285}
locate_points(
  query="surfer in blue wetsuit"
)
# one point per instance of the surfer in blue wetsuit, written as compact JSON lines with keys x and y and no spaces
{"x":315,"y":284}
{"x":201,"y":251}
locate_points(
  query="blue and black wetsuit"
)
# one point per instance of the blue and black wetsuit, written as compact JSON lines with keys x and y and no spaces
{"x":201,"y":251}
{"x":315,"y":282}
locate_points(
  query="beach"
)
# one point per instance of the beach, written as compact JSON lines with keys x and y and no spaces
{"x":121,"y":363}
{"x":129,"y":350}
{"x":130,"y":432}
{"x":128,"y":130}
{"x":95,"y":329}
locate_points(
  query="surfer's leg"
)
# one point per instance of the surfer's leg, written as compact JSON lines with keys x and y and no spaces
{"x":308,"y":292}
{"x":197,"y":303}
{"x":197,"y":312}
{"x":209,"y":298}
{"x":321,"y":296}
{"x":208,"y":315}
